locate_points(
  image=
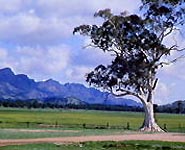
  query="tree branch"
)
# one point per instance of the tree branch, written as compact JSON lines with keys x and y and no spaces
{"x":170,"y":31}
{"x":155,"y":83}
{"x":163,"y":35}
{"x":176,"y":49}
{"x":172,"y":61}
{"x":181,"y":49}
{"x":126,"y":92}
{"x":94,"y":46}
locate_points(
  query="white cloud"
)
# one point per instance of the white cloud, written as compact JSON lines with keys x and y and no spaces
{"x":174,"y":71}
{"x":13,"y":6}
{"x":162,"y":93}
{"x":29,"y":29}
{"x":3,"y":53}
{"x":15,"y":26}
{"x":48,"y":22}
{"x":5,"y":59}
{"x":79,"y":7}
{"x":91,"y":57}
{"x":77,"y":74}
{"x":37,"y":62}
{"x":47,"y":60}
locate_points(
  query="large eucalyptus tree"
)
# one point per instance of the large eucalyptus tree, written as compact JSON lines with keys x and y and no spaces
{"x":136,"y":43}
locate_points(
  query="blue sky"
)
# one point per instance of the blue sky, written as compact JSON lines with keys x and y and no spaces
{"x":36,"y":39}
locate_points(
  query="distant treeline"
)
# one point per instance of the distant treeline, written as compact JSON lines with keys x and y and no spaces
{"x":178,"y":107}
{"x":40,"y":104}
{"x":33,"y":103}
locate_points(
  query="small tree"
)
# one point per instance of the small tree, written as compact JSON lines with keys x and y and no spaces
{"x":136,"y":44}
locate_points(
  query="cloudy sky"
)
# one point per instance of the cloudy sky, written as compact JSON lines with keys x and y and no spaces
{"x":36,"y":39}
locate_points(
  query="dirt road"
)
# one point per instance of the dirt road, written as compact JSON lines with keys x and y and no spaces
{"x":172,"y":137}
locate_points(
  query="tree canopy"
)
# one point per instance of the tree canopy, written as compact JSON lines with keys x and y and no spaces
{"x":137,"y":44}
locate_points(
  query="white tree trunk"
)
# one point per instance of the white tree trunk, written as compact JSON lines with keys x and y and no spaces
{"x":149,"y":124}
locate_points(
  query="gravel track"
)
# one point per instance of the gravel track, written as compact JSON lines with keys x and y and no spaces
{"x":171,"y":137}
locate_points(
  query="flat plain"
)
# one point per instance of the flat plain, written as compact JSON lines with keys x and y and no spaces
{"x":22,"y":124}
{"x":89,"y":119}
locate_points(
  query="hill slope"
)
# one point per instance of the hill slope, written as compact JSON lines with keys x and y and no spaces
{"x":22,"y":87}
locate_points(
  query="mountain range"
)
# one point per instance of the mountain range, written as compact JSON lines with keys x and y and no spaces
{"x":21,"y":87}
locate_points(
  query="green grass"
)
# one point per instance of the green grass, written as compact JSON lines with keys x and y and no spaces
{"x":128,"y":145}
{"x":18,"y":118}
{"x":13,"y":134}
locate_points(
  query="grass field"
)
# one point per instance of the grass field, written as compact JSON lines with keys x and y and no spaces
{"x":69,"y":118}
{"x":16,"y":134}
{"x":129,"y":145}
{"x":16,"y":124}
{"x":80,"y":120}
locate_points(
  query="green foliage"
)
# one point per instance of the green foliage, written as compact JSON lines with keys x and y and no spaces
{"x":33,"y":147}
{"x":128,"y":145}
{"x":134,"y":45}
{"x":173,"y":2}
{"x":165,"y":14}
